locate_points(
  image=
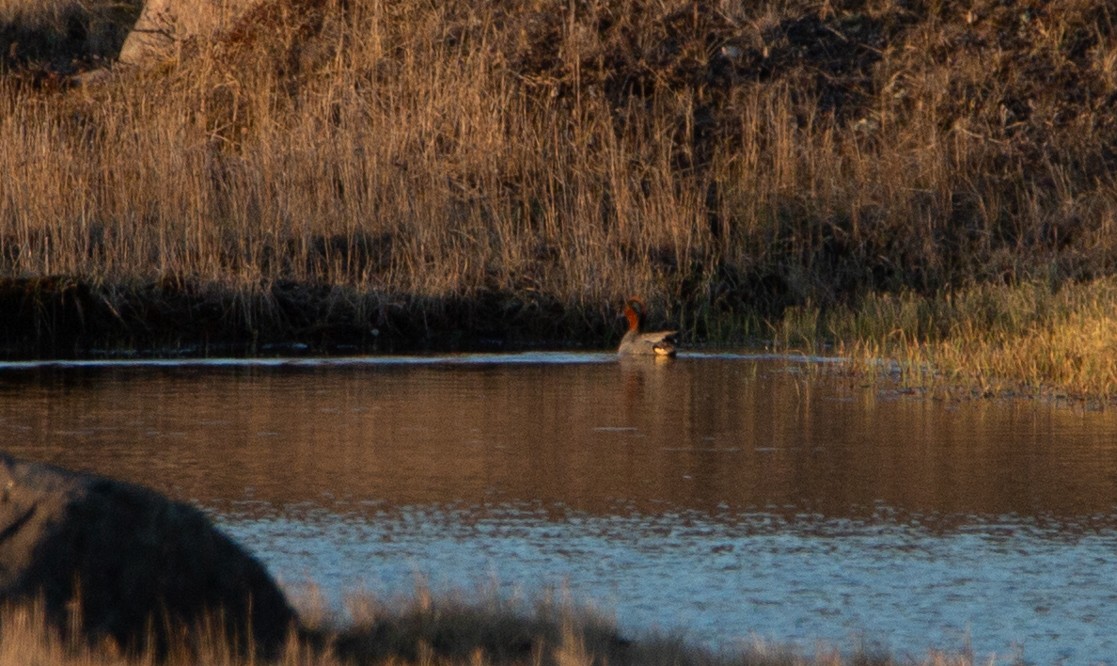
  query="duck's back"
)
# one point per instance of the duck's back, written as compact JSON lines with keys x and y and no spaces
{"x":659,"y":343}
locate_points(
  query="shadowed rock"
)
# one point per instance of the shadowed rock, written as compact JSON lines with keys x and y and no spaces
{"x":112,"y":559}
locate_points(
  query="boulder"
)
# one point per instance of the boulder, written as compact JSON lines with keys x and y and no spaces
{"x":165,"y":24}
{"x":115,"y":560}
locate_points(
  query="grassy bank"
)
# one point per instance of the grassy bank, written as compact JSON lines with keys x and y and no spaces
{"x":426,"y":631}
{"x":1029,"y":340}
{"x":365,"y":173}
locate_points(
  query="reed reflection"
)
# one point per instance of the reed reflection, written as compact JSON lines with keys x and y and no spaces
{"x":722,"y":437}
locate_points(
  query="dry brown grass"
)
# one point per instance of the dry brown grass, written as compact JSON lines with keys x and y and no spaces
{"x":431,"y":632}
{"x":515,"y":168}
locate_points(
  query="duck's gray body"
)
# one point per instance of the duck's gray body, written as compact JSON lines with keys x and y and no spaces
{"x":638,"y":343}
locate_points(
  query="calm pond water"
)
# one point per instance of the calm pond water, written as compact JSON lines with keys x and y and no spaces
{"x":727,"y":496}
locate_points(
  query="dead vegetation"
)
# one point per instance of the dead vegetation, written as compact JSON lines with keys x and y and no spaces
{"x":457,"y":172}
{"x":430,"y":632}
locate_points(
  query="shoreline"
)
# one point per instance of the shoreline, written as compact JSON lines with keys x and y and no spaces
{"x":449,"y":630}
{"x":61,"y":317}
{"x":1031,"y":340}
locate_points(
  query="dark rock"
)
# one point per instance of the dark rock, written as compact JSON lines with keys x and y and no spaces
{"x":113,"y":559}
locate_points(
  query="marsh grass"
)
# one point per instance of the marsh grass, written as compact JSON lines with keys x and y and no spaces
{"x":429,"y":631}
{"x":1028,"y":340}
{"x":361,"y":171}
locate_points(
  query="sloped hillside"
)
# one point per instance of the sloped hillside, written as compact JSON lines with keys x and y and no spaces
{"x":331,"y":171}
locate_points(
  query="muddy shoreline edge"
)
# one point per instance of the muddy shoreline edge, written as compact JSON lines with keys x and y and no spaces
{"x":69,"y":318}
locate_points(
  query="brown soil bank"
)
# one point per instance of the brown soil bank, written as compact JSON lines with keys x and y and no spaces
{"x":511,"y":170}
{"x":66,"y":317}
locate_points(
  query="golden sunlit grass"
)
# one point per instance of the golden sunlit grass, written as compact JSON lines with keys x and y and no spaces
{"x":351,"y":171}
{"x":426,"y":631}
{"x":1027,"y":340}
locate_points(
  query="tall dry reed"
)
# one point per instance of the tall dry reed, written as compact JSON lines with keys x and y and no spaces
{"x":724,"y":161}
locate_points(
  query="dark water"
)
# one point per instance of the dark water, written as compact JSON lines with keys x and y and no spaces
{"x":731,"y":497}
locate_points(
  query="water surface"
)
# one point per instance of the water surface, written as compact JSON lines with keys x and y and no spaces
{"x":730,"y":496}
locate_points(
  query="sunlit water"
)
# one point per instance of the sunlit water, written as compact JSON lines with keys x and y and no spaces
{"x":729,"y":497}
